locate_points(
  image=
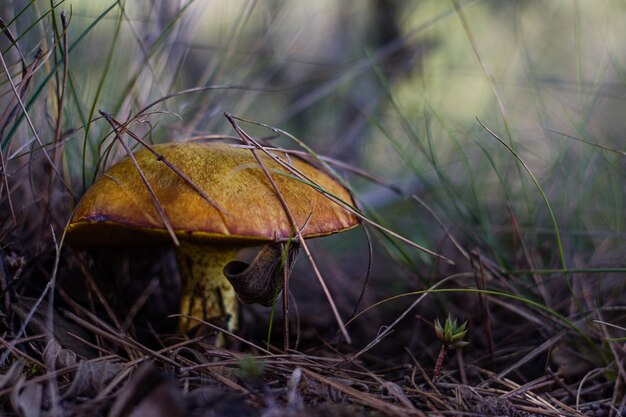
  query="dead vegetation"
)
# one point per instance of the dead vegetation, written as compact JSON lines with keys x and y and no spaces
{"x":112,"y":374}
{"x":92,"y":332}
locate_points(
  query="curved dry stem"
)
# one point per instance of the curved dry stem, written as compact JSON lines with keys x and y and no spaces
{"x":260,"y":281}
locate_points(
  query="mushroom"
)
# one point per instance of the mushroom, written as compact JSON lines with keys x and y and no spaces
{"x":118,"y":209}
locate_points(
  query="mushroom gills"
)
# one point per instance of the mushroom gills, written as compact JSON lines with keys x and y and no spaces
{"x":206,"y":293}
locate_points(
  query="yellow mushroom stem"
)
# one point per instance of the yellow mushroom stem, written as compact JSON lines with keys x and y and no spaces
{"x":206,"y":293}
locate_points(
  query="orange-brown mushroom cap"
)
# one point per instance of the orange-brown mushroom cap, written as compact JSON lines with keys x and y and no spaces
{"x":118,"y":205}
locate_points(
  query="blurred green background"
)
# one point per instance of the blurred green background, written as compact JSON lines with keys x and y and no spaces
{"x":394,"y":87}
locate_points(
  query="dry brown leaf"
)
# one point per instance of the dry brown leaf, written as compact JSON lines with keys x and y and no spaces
{"x":91,"y":377}
{"x":27,"y":399}
{"x":13,"y":376}
{"x":148,"y":394}
{"x":56,"y":357}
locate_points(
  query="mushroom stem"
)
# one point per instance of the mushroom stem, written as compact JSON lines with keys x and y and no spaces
{"x":206,"y":293}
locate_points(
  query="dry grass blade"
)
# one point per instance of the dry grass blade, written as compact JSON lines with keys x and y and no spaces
{"x":6,"y":186}
{"x":11,"y":110}
{"x":95,"y":290}
{"x":285,"y":278}
{"x":11,"y":347}
{"x":537,"y":403}
{"x":544,"y":197}
{"x":388,"y":329}
{"x":18,"y":97}
{"x":200,"y":90}
{"x":171,"y":166}
{"x":7,"y":32}
{"x":391,"y":186}
{"x":48,"y":290}
{"x":616,"y":351}
{"x":341,"y":203}
{"x":62,"y":85}
{"x":103,"y":330}
{"x":246,"y":138}
{"x":538,"y":350}
{"x":484,"y":304}
{"x":230,"y":334}
{"x":155,"y":200}
{"x":364,"y":398}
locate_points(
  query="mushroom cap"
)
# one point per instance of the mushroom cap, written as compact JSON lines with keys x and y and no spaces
{"x":118,"y":207}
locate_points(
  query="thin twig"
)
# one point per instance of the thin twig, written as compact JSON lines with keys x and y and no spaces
{"x":63,"y":84}
{"x":386,"y":330}
{"x":286,"y":270}
{"x":333,"y":198}
{"x":370,"y":256}
{"x":221,"y":330}
{"x":171,"y":166}
{"x":364,"y":398}
{"x":157,"y":205}
{"x":108,"y":333}
{"x":30,"y":122}
{"x":244,"y":136}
